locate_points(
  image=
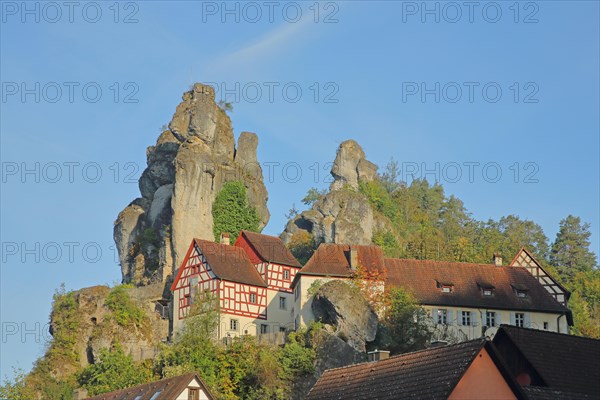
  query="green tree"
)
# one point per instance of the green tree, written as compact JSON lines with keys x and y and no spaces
{"x":302,"y":245}
{"x":232,"y":212}
{"x":17,"y":388}
{"x":405,"y":325}
{"x":390,"y":178}
{"x":570,"y":251}
{"x":313,"y":195}
{"x":112,"y":371}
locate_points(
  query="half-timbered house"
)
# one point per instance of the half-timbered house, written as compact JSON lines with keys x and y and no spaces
{"x":225,"y":272}
{"x":278,"y":268}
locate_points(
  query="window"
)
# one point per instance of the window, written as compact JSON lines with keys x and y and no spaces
{"x":155,"y":395}
{"x":281,"y":329}
{"x":545,"y":326}
{"x":282,"y":303}
{"x":490,"y":318}
{"x":264,"y":328}
{"x":253,"y":298}
{"x":442,"y":316}
{"x":466,"y":317}
{"x":286,"y":274}
{"x":519,"y":319}
{"x":521,"y":293}
{"x":233,"y":324}
{"x":487,"y":291}
{"x":193,"y":394}
{"x":296,"y":292}
{"x":446,"y":287}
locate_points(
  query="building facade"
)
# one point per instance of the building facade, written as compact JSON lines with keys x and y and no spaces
{"x":464,"y":300}
{"x":250,"y":281}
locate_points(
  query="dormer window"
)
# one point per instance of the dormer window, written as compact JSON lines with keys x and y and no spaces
{"x":487,"y":289}
{"x":446,"y":287}
{"x":520,"y":290}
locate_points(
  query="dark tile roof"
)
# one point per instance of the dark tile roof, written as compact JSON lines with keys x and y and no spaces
{"x":565,"y":362}
{"x":334,"y":259}
{"x":271,"y":249}
{"x":230,"y":263}
{"x":421,"y":277}
{"x":426,"y":374}
{"x":542,"y":393}
{"x":170,"y":388}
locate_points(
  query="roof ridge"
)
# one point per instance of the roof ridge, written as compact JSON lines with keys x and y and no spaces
{"x":563,"y":335}
{"x":444,"y":261}
{"x":472,"y":341}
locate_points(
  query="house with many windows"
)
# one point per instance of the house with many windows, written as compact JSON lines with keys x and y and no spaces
{"x":250,"y":281}
{"x":465,"y":300}
{"x":262,"y":289}
{"x":472,"y":300}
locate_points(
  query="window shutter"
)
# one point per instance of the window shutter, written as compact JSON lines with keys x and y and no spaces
{"x":527,"y":320}
{"x":498,"y":320}
{"x":434,"y":316}
{"x":449,"y":317}
{"x":474,"y":318}
{"x":512,"y":318}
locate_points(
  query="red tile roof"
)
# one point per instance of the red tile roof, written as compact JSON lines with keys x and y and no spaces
{"x":230,"y":263}
{"x":425,"y":374}
{"x":566,"y":363}
{"x":271,"y":249}
{"x":334,"y":260}
{"x":422,"y":276}
{"x":169,"y":389}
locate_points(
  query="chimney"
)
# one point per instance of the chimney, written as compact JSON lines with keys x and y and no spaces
{"x":497,"y":260}
{"x":353,"y":258}
{"x":225,"y":238}
{"x":378,"y":355}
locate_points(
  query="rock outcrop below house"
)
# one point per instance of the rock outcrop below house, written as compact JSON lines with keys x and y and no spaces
{"x":343,"y":215}
{"x":338,"y":304}
{"x":187,"y":167}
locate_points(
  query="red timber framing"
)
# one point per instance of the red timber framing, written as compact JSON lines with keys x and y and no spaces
{"x":278,"y":279}
{"x":526,"y":260}
{"x":196,"y":276}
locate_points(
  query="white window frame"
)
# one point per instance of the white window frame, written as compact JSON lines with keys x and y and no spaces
{"x":465,"y":316}
{"x":253,"y":297}
{"x":286,"y":274}
{"x":282,"y":303}
{"x":490,"y":318}
{"x":442,"y":316}
{"x":520,"y":319}
{"x":264,"y":328}
{"x":234,"y":325}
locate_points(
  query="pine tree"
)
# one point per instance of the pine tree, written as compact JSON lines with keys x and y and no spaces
{"x":570,"y":251}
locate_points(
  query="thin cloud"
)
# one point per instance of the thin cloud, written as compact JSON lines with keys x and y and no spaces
{"x":273,"y":42}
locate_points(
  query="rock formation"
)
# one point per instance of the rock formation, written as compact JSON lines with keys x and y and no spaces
{"x":187,"y":167}
{"x":343,"y":215}
{"x":337,"y":304}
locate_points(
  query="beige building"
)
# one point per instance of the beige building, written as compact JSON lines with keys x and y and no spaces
{"x":464,"y":300}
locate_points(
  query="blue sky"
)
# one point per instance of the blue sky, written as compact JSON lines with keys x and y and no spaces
{"x":389,"y":74}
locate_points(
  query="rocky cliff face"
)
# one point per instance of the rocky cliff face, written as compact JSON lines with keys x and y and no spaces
{"x":343,"y":215}
{"x":187,"y":167}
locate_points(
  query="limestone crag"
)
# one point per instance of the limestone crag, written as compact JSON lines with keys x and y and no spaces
{"x":187,"y":167}
{"x":337,"y":304}
{"x":343,"y":215}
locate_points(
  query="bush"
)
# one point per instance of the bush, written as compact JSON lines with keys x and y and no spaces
{"x":232,"y":212}
{"x":124,"y":310}
{"x":113,"y":370}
